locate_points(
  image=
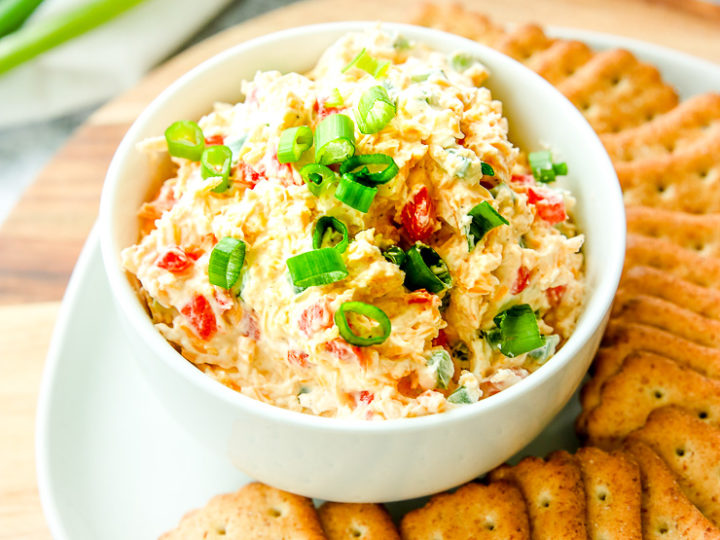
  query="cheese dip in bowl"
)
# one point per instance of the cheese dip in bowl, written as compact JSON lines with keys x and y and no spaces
{"x":356,"y":249}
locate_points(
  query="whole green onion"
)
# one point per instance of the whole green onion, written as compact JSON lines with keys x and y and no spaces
{"x":484,"y":218}
{"x":317,"y":176}
{"x":367,"y":310}
{"x":327,"y":229}
{"x":216,"y":161}
{"x":14,"y":12}
{"x":543,"y":168}
{"x":355,"y":194}
{"x":374,"y":110}
{"x":376,"y":68}
{"x":185,"y":139}
{"x":334,"y":139}
{"x":425,"y":269}
{"x":364,"y":175}
{"x":317,"y":267}
{"x":226,"y":260}
{"x":516,"y":331}
{"x":293,"y":142}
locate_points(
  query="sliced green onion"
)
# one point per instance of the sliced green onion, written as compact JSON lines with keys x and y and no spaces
{"x":484,"y":218}
{"x":367,"y":310}
{"x":317,"y":176}
{"x":543,"y":168}
{"x":293,"y":142}
{"x":460,"y":352}
{"x":216,"y":161}
{"x":351,"y":165}
{"x":487,"y":169}
{"x":185,"y":139}
{"x":327,"y":229}
{"x":518,"y":331}
{"x":374,"y":110}
{"x":376,"y":68}
{"x":395,"y":255}
{"x":334,"y":139}
{"x":335,"y":99}
{"x":424,"y":269}
{"x":355,"y":194}
{"x":441,"y":363}
{"x":318,"y":267}
{"x":541,"y":354}
{"x":460,"y":396}
{"x":401,"y":43}
{"x":460,"y":61}
{"x":226,"y":260}
{"x":14,"y":12}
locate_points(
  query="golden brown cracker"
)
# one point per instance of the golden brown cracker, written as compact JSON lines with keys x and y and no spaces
{"x":560,"y":60}
{"x":613,"y":494}
{"x":524,"y":42}
{"x":256,"y":511}
{"x":667,"y":514}
{"x":454,"y":18}
{"x":623,"y":339}
{"x":691,"y":450}
{"x":695,"y":119}
{"x":496,"y":511}
{"x":348,"y":521}
{"x":554,"y":493}
{"x":687,"y":180}
{"x":647,"y":382}
{"x":615,"y":91}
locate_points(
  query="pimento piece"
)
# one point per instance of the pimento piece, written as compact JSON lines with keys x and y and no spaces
{"x":343,"y":350}
{"x":421,"y":296}
{"x":549,"y":205}
{"x":418,"y":216}
{"x":523,"y":179}
{"x":201,"y":317}
{"x":223,"y":299}
{"x":248,"y":176}
{"x":522,"y":280}
{"x":174,"y":260}
{"x":322,"y":111}
{"x":250,"y":325}
{"x":364,"y":397}
{"x":214,"y":140}
{"x":441,"y":340}
{"x":555,"y":294}
{"x":315,"y":318}
{"x":298,"y":358}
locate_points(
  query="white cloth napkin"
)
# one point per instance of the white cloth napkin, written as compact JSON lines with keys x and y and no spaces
{"x":101,"y":63}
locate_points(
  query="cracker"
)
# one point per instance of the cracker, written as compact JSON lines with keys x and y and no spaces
{"x":615,"y":91}
{"x":697,"y":118}
{"x":455,"y":19}
{"x":496,"y":511}
{"x":662,"y":254}
{"x":699,"y":233}
{"x":560,"y":60}
{"x":691,"y":450}
{"x":687,"y":180}
{"x":613,"y":495}
{"x":256,"y":511}
{"x":623,"y":339}
{"x":554,"y":492}
{"x":666,"y":511}
{"x":366,"y":521}
{"x":647,"y":382}
{"x":524,"y":42}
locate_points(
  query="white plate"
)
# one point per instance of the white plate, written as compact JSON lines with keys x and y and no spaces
{"x":112,"y":464}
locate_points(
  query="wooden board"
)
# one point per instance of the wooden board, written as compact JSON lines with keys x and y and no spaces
{"x":42,"y":238}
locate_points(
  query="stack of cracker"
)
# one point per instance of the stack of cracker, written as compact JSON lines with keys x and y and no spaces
{"x":651,"y":411}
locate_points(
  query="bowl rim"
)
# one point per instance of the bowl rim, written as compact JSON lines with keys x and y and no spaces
{"x":596,"y":302}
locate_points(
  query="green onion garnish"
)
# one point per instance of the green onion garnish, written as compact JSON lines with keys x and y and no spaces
{"x":369,"y":311}
{"x":460,"y":352}
{"x":487,"y":169}
{"x":14,"y":12}
{"x":460,"y":61}
{"x":484,"y":218}
{"x":226,"y":260}
{"x":376,"y":68}
{"x":460,"y":396}
{"x":216,"y":161}
{"x":318,"y":267}
{"x":517,"y":331}
{"x":374,"y":110}
{"x":334,"y":139}
{"x":185,"y":139}
{"x":293,"y":142}
{"x":364,"y":176}
{"x":395,"y":255}
{"x":355,"y":194}
{"x":424,"y":269}
{"x":543,"y":168}
{"x":317,"y":176}
{"x":327,"y":230}
{"x":335,"y":99}
{"x":442,"y":364}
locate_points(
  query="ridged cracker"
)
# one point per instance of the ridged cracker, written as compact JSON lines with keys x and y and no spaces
{"x":455,"y":19}
{"x":554,"y":493}
{"x":524,"y":42}
{"x":697,"y":118}
{"x":493,"y":512}
{"x":560,"y":60}
{"x":256,"y":511}
{"x":615,"y":91}
{"x":691,"y":450}
{"x":647,"y":382}
{"x":667,"y":513}
{"x":364,"y":521}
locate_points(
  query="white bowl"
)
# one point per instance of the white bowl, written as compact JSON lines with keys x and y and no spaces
{"x":352,"y":460}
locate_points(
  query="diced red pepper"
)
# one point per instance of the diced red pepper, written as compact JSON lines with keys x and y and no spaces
{"x":343,"y":350}
{"x":214,"y":140}
{"x":223,"y":299}
{"x":549,"y":205}
{"x":174,"y":260}
{"x":201,"y":317}
{"x":298,"y":358}
{"x":555,"y":294}
{"x":248,"y":176}
{"x":315,"y":318}
{"x":418,"y":216}
{"x":323,"y":111}
{"x":522,"y":280}
{"x":523,"y":179}
{"x":421,"y":296}
{"x":251,"y":327}
{"x":441,"y":340}
{"x":365,"y":397}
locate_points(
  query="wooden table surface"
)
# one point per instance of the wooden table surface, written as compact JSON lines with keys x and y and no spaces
{"x":41,"y":239}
